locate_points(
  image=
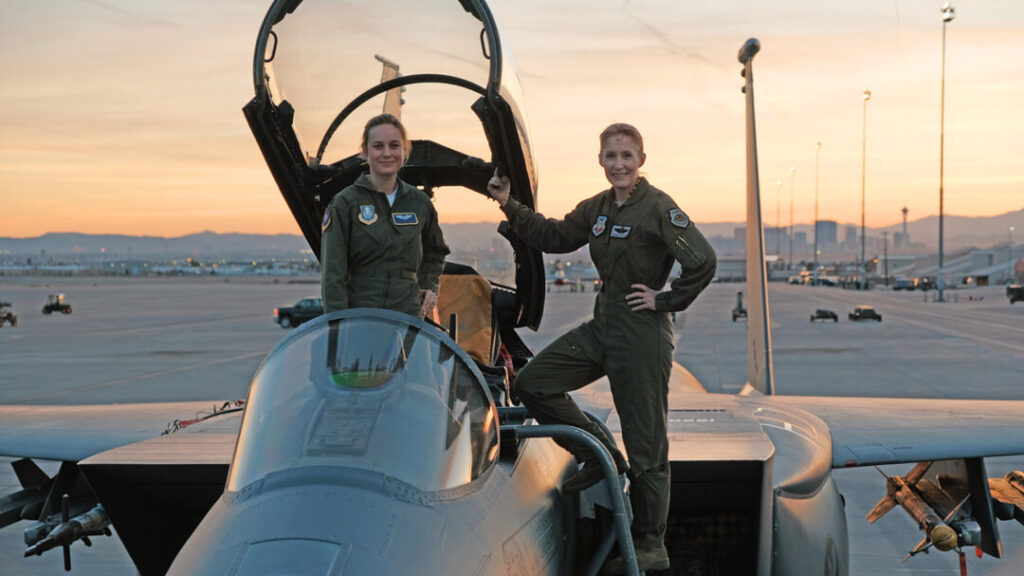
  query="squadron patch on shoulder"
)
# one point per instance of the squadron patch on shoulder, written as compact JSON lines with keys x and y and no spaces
{"x":598,"y":228}
{"x":367,"y":214}
{"x":678,"y":218}
{"x":404,"y":218}
{"x":620,"y":231}
{"x":326,"y":222}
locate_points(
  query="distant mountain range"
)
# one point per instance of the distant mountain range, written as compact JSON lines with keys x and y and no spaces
{"x":118,"y":246}
{"x":959,"y":232}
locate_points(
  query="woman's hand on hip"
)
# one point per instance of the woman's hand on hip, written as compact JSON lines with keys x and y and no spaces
{"x":641,"y":298}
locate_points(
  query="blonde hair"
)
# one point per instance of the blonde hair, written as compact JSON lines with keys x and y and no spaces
{"x":622,"y":129}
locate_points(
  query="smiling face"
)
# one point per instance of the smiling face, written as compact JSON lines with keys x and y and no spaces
{"x":384,"y":150}
{"x":621,"y":157}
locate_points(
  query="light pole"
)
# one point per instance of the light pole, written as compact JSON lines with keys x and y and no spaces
{"x":885,"y":248}
{"x":778,"y":219}
{"x":1009,"y":258}
{"x":817,"y":149}
{"x":863,"y":174}
{"x":792,"y":176}
{"x":948,"y":12}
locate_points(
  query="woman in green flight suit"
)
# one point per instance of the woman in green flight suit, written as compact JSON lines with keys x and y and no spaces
{"x":382,"y":246}
{"x":635,"y":232}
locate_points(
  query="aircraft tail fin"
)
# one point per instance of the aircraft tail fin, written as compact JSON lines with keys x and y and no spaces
{"x":393,"y":97}
{"x":759,"y":349}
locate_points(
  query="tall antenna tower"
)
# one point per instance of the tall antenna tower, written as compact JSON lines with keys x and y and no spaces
{"x":904,"y":221}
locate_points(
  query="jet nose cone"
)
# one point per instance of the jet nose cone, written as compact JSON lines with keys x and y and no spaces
{"x":328,"y":522}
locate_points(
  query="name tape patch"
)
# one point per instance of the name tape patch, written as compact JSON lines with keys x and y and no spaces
{"x":404,"y":218}
{"x":621,"y":231}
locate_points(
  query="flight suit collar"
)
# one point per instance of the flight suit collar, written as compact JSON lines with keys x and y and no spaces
{"x":639,"y":191}
{"x":363,"y":181}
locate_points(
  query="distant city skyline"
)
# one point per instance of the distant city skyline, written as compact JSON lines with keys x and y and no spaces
{"x":962,"y":232}
{"x":126,"y":118}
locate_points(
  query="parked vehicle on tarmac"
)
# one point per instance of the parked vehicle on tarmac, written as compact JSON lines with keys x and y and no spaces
{"x":303,"y":311}
{"x":1015,"y":292}
{"x":864,"y":313}
{"x":56,"y":303}
{"x":7,"y":315}
{"x":904,"y":284}
{"x":824,"y":314}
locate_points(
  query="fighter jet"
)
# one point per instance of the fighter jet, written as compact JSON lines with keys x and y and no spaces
{"x":376,"y":443}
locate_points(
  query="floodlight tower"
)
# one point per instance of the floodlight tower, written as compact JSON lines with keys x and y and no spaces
{"x":948,"y":12}
{"x":817,"y":149}
{"x":1009,"y":258}
{"x":863,"y":176}
{"x":778,"y":219}
{"x":792,"y":177}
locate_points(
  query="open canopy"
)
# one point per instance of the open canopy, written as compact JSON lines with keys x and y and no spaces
{"x":322,"y":68}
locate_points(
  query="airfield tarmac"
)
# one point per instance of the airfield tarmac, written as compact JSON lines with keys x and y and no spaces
{"x":133,"y":340}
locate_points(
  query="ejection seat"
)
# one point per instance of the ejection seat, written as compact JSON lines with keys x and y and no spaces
{"x":477,"y":305}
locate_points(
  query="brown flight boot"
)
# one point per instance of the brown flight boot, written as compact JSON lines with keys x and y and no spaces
{"x":651,"y":558}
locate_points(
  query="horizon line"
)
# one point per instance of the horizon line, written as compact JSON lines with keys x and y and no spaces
{"x":484,"y":221}
{"x":299,"y":233}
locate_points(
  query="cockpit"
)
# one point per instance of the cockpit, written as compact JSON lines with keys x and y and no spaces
{"x":373,"y":390}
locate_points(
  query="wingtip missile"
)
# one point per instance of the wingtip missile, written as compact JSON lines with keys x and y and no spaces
{"x":943,"y":537}
{"x":91,"y":523}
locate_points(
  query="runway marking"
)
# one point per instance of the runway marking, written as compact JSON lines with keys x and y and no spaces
{"x":184,"y":324}
{"x":966,"y":316}
{"x":949,"y":310}
{"x":119,"y":381}
{"x":989,"y":341}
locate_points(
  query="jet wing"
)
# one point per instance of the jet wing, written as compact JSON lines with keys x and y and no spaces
{"x":873,"y":431}
{"x":73,"y":433}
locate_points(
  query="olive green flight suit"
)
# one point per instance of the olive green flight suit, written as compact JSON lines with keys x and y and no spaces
{"x":380,"y":256}
{"x":635,"y":243}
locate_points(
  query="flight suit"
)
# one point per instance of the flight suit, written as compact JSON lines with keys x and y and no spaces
{"x":635,"y":243}
{"x":380,"y":256}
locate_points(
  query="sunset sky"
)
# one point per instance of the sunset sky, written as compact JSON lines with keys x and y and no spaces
{"x":125,"y":116}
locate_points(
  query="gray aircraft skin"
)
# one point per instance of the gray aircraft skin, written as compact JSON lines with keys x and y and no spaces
{"x":390,"y":468}
{"x":376,"y":443}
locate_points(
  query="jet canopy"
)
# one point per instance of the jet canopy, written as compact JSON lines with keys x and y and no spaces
{"x":369,"y":389}
{"x":322,"y":68}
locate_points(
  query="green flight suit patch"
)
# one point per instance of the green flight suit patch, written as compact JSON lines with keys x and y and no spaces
{"x":326,"y":222}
